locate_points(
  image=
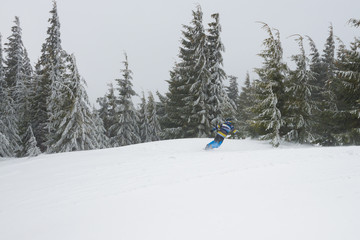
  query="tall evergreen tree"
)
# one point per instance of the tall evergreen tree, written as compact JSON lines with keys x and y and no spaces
{"x":197,"y":98}
{"x":270,"y":89}
{"x":9,"y":136}
{"x":74,"y":125}
{"x":219,"y":103}
{"x":328,"y":86}
{"x":186,"y":106}
{"x":348,"y":115}
{"x":49,"y":84}
{"x":175,"y":121}
{"x":299,"y":104}
{"x":125,"y":128}
{"x":18,"y":74}
{"x":194,"y":54}
{"x":244,"y":115}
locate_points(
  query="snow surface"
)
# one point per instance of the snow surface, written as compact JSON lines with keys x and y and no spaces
{"x":175,"y":190}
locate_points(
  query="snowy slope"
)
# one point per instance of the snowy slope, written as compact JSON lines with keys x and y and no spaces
{"x":174,"y":190}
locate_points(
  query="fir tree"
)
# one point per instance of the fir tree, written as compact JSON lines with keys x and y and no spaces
{"x":194,"y":55}
{"x":233,"y":89}
{"x":328,"y":85}
{"x":175,"y":121}
{"x":103,"y":112}
{"x":6,"y":114}
{"x":219,"y":103}
{"x":74,"y":125}
{"x":328,"y":58}
{"x":154,"y":124}
{"x":316,"y":67}
{"x":161,"y":112}
{"x":145,"y":134}
{"x":9,"y":136}
{"x":270,"y":89}
{"x":30,"y":148}
{"x":15,"y":58}
{"x":18,"y":74}
{"x":348,"y":116}
{"x":125,"y":128}
{"x":197,"y":98}
{"x":101,"y":137}
{"x":109,"y":116}
{"x":269,"y":117}
{"x":299,"y":105}
{"x":49,"y":84}
{"x":244,"y":115}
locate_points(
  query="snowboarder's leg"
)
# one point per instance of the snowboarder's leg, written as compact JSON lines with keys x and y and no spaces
{"x":216,"y":143}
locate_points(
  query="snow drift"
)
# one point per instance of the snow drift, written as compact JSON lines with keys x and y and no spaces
{"x":176,"y":190}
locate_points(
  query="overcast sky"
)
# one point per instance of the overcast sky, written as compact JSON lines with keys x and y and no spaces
{"x":99,"y":32}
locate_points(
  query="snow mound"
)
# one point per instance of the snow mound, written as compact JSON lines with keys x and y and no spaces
{"x":176,"y":190}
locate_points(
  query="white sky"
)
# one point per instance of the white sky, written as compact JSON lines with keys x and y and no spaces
{"x":98,"y":33}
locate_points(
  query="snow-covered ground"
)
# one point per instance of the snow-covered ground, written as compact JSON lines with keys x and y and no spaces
{"x":174,"y":190}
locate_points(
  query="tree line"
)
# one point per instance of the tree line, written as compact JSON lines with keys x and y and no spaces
{"x":45,"y":108}
{"x":318,"y":102}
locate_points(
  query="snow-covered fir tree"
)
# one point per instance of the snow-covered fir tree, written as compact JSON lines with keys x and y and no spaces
{"x":18,"y":74}
{"x":233,"y":89}
{"x":219,"y":104}
{"x":243,"y":112}
{"x":49,"y":83}
{"x":27,"y":94}
{"x":14,"y":50}
{"x":9,"y":135}
{"x":30,"y":148}
{"x":8,"y":128}
{"x":328,"y":86}
{"x":4,"y":141}
{"x":299,"y":104}
{"x":175,"y":122}
{"x":197,"y":98}
{"x":316,"y":67}
{"x":154,"y":124}
{"x":103,"y":111}
{"x":348,"y":116}
{"x":270,"y":89}
{"x":74,"y":126}
{"x":328,"y":57}
{"x":145,"y":134}
{"x":108,"y":111}
{"x":194,"y":54}
{"x":161,"y":111}
{"x":102,"y":138}
{"x":269,"y":118}
{"x":125,"y":129}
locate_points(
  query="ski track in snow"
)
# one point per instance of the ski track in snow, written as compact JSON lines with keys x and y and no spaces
{"x":249,"y":172}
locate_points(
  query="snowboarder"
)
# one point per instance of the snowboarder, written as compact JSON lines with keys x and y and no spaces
{"x":222,"y":131}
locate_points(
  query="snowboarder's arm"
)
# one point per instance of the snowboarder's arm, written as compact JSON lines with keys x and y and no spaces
{"x":215,"y":128}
